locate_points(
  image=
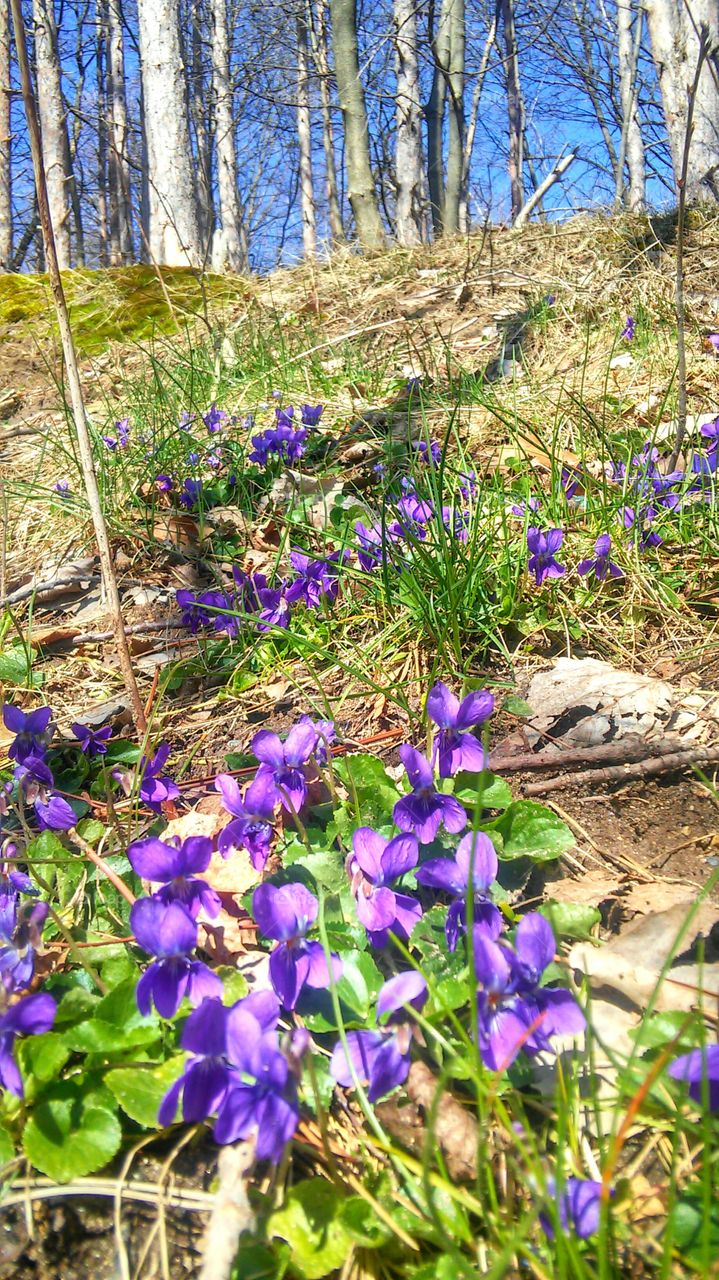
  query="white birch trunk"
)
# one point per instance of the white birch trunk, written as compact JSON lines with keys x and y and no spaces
{"x":408,"y":147}
{"x":5,"y":171}
{"x":229,"y":245}
{"x":121,"y":246}
{"x":52,"y":124}
{"x":362,"y":194}
{"x":453,"y":195}
{"x":174,"y":233}
{"x":304,"y":136}
{"x":633,"y":145}
{"x":674,"y":28}
{"x":320,"y":54}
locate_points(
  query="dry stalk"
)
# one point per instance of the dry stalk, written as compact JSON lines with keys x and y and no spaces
{"x":73,"y":377}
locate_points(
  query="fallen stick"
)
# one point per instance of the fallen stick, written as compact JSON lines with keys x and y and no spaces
{"x":73,"y":576}
{"x":624,"y":749}
{"x":647,"y":768}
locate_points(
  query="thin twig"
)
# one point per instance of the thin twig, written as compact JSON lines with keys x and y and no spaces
{"x":72,"y":373}
{"x":97,"y":861}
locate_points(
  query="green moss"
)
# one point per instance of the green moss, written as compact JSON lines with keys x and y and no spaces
{"x":125,"y":304}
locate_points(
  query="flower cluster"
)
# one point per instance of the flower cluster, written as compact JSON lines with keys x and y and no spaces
{"x":286,"y":440}
{"x":315,"y":584}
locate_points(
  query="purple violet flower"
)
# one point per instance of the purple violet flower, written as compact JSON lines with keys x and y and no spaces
{"x":311,"y":414}
{"x":286,"y":914}
{"x":21,"y":927}
{"x":710,"y":431}
{"x":93,"y":742}
{"x":237,"y":1070}
{"x":570,"y":481}
{"x":62,"y":487}
{"x":52,"y":812}
{"x":405,"y":989}
{"x":284,"y":763}
{"x":253,"y":815}
{"x":191,"y":493}
{"x":31,"y":1016}
{"x":155,"y":790}
{"x":32,"y":730}
{"x":214,"y":418}
{"x":542,"y":562}
{"x":713,"y":340}
{"x":379,"y":1062}
{"x":578,"y":1207}
{"x":209,"y":1036}
{"x":600,"y":565}
{"x":642,"y":520}
{"x":429,"y":453}
{"x":694,"y":1069}
{"x":425,"y":809}
{"x":381,"y":1059}
{"x":452,"y":875}
{"x":629,"y":331}
{"x":513,"y":1012}
{"x":454,"y":746}
{"x":170,"y":934}
{"x":186,"y":420}
{"x":163,"y":483}
{"x":520,"y":509}
{"x":175,"y":867}
{"x":317,"y":582}
{"x":369,"y":549}
{"x":372,"y":865}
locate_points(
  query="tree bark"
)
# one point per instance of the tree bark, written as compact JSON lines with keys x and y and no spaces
{"x":631,"y":151}
{"x":674,"y":31}
{"x":121,"y":242}
{"x":102,"y":174}
{"x":408,"y":146}
{"x":434,"y":119}
{"x":52,"y":124}
{"x":304,"y":137}
{"x":464,"y":217}
{"x":174,"y":231}
{"x":5,"y":169}
{"x":453,"y":194}
{"x":201,"y":123}
{"x":362,"y":194}
{"x":229,"y":245}
{"x":515,"y":110}
{"x":320,"y":54}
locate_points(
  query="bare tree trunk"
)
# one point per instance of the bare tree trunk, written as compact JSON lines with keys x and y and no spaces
{"x":199,"y":113}
{"x":304,"y":136}
{"x":674,"y":31}
{"x":434,"y":118}
{"x":362,"y":194}
{"x":174,"y":232}
{"x":464,"y":220}
{"x":408,"y":147}
{"x":229,"y":245}
{"x":5,"y":169}
{"x":121,"y":246}
{"x":631,"y":150}
{"x":102,"y":175}
{"x":320,"y":54}
{"x":453,"y":194}
{"x":515,"y":110}
{"x":53,"y":124}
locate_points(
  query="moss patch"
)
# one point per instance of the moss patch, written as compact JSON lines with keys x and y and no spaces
{"x":127,"y":304}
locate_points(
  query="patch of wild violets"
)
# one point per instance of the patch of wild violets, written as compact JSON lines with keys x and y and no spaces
{"x":361,"y":925}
